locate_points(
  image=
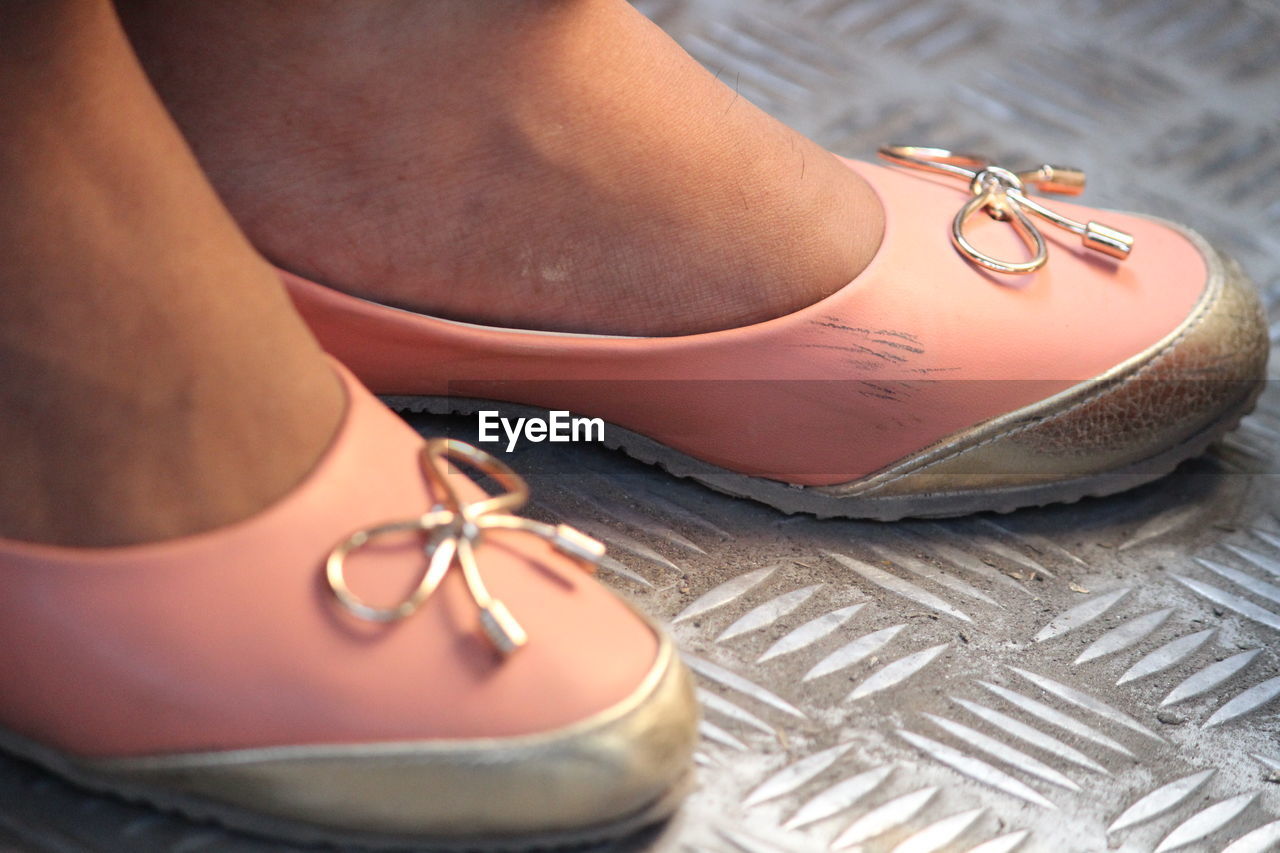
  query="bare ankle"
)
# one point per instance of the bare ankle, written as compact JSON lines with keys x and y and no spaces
{"x":156,"y":380}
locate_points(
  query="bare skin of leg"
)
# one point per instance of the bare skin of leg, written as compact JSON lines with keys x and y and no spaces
{"x":550,"y":164}
{"x":154,"y":380}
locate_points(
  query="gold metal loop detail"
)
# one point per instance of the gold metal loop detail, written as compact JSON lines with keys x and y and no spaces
{"x":451,"y":531}
{"x":1000,"y":193}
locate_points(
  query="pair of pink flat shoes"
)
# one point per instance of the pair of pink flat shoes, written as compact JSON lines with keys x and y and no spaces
{"x":389,"y":655}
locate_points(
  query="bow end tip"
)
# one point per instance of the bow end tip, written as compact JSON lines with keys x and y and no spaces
{"x":1059,"y":180}
{"x":502,"y":629}
{"x":1107,"y":240}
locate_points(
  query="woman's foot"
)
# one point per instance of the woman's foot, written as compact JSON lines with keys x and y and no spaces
{"x":235,"y":678}
{"x":548,"y":164}
{"x":897,"y":397}
{"x":155,"y":381}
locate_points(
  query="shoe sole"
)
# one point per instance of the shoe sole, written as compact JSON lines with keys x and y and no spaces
{"x":239,"y":820}
{"x":795,"y":499}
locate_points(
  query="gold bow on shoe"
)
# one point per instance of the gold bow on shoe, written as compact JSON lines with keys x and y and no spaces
{"x":452,"y":530}
{"x":999,"y":192}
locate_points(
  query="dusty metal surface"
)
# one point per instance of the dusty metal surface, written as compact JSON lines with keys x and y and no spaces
{"x":1101,"y":676}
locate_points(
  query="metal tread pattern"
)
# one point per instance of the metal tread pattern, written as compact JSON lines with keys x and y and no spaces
{"x":1096,"y":677}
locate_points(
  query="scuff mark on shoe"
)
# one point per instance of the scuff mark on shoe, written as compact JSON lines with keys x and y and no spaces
{"x":884,"y":344}
{"x":882,"y":392}
{"x":856,"y":348}
{"x":928,"y":370}
{"x":899,"y":345}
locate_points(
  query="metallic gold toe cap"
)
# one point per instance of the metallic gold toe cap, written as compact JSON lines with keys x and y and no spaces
{"x":1216,"y":360}
{"x":613,"y":769}
{"x":1196,"y":380}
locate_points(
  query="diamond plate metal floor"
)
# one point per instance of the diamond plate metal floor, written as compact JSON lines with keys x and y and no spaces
{"x":1103,"y":676}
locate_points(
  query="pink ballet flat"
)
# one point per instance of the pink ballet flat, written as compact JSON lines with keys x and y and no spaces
{"x":997,"y":353}
{"x":387,"y":656}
